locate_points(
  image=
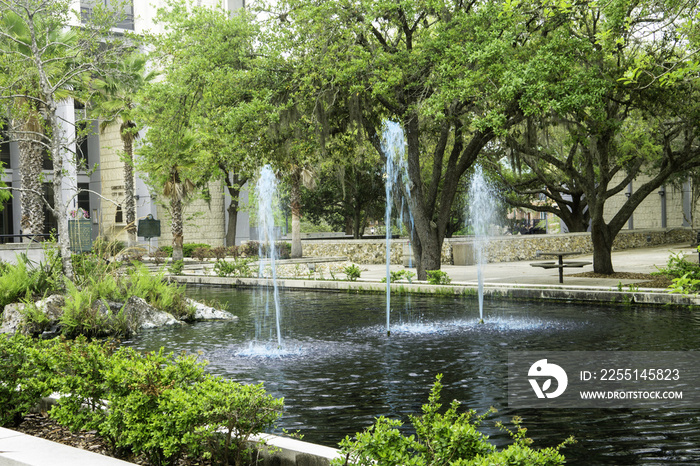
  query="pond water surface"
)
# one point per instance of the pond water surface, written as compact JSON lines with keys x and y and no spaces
{"x":340,"y":370}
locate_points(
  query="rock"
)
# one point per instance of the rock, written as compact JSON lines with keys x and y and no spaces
{"x":142,"y":315}
{"x":204,"y":312}
{"x":12,"y":318}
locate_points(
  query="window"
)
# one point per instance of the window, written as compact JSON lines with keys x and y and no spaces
{"x":84,"y":196}
{"x":124,"y":10}
{"x":6,"y":220}
{"x":4,"y":147}
{"x":119,"y":215}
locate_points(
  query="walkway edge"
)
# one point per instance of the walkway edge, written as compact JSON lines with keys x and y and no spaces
{"x":525,"y":292}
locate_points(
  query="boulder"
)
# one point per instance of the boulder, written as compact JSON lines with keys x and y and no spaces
{"x":12,"y":318}
{"x":142,"y":315}
{"x":204,"y":312}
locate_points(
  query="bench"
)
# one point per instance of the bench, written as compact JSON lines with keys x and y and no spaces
{"x":560,"y":264}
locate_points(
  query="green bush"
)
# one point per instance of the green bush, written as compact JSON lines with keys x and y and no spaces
{"x":168,"y":250}
{"x":24,"y":377}
{"x":352,"y":271}
{"x":234,"y":268}
{"x":438,"y":277}
{"x":80,"y":368}
{"x":684,"y":273}
{"x":153,"y":288}
{"x":177,"y":267}
{"x":189,"y":248}
{"x":450,"y":438}
{"x":28,"y":277}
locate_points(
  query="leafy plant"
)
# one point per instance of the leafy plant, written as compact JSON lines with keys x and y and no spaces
{"x":438,"y":277}
{"x":25,"y":377}
{"x":201,"y":253}
{"x":352,"y":271}
{"x":441,"y":438}
{"x":219,"y":252}
{"x":177,"y":267}
{"x":235,"y":268}
{"x":189,"y":248}
{"x":395,"y":276}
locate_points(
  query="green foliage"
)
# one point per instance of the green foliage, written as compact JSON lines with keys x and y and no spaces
{"x":80,"y":366}
{"x":188,"y":249}
{"x":24,"y":377}
{"x":159,"y":405}
{"x":395,"y":276}
{"x":107,"y":248}
{"x":177,"y":267}
{"x":441,"y":438}
{"x":167,"y":249}
{"x":352,"y":271}
{"x":157,"y":292}
{"x":438,"y":277}
{"x":235,"y":268}
{"x":684,"y":273}
{"x":29,"y":278}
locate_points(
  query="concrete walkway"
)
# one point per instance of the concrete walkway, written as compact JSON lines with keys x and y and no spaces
{"x":643,"y":260}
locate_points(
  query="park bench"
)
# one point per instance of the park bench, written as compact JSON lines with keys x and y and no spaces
{"x":560,"y":263}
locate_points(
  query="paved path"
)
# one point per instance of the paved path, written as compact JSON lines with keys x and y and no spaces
{"x":643,"y":260}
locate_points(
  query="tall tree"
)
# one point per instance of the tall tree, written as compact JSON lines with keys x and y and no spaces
{"x":115,"y":103}
{"x":444,"y":70}
{"x":46,"y":59}
{"x":217,"y":52}
{"x":618,"y":128}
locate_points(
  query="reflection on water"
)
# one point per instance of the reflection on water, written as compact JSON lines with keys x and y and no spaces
{"x":337,"y":370}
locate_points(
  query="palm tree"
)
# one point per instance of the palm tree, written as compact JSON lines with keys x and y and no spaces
{"x":116,"y":102}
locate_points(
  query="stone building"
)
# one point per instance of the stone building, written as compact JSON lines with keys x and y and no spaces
{"x":98,"y":174}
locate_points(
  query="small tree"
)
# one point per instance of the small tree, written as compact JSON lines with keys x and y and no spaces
{"x":47,"y":61}
{"x":115,"y":103}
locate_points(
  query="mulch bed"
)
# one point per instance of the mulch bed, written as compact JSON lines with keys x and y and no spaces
{"x":40,"y":425}
{"x":649,"y":280}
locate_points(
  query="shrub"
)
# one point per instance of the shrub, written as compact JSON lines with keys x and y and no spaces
{"x":249,"y":248}
{"x":177,"y":267}
{"x":235,"y":268}
{"x":233,"y":251}
{"x":219,"y":252}
{"x":24,"y":377}
{"x":201,"y":253}
{"x":160,"y":255}
{"x":284,"y":250}
{"x":449,"y":438}
{"x":438,"y":277}
{"x":352,"y":271}
{"x":153,"y":288}
{"x":189,"y":248}
{"x":168,"y":250}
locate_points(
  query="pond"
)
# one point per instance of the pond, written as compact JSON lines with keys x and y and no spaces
{"x":341,"y":370}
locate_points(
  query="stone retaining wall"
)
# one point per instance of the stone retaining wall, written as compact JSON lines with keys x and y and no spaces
{"x":499,"y":249}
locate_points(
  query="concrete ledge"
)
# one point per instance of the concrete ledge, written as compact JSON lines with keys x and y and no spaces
{"x":527,"y":292}
{"x":289,"y":451}
{"x":18,"y":449}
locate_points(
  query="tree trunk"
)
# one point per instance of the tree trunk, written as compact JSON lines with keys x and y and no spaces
{"x":234,"y":183}
{"x":602,"y":248}
{"x":129,"y":204}
{"x":60,"y":207}
{"x":176,"y":227}
{"x":232,"y":222}
{"x":31,"y":154}
{"x":295,"y":200}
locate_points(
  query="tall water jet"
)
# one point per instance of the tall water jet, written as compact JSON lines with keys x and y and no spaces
{"x":394,"y":147}
{"x":266,"y":189}
{"x":481,"y":218}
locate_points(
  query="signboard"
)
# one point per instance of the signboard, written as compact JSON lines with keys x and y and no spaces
{"x":80,"y":234}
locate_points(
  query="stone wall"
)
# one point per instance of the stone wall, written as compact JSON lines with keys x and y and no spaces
{"x":499,"y":249}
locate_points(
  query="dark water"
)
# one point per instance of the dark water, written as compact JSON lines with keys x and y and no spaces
{"x":341,"y":370}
